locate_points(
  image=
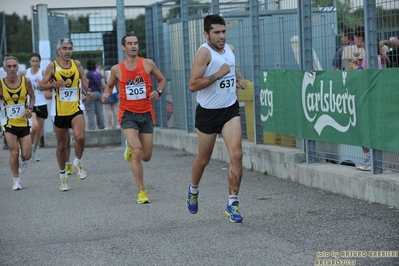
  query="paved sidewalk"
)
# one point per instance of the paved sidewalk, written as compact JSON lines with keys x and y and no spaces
{"x":99,"y":222}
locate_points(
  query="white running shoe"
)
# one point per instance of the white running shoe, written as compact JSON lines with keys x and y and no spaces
{"x":17,"y":184}
{"x":63,"y":184}
{"x":81,"y":174}
{"x":365,"y":165}
{"x":35,"y":156}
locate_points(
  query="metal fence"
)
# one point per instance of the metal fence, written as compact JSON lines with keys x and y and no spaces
{"x":266,"y":34}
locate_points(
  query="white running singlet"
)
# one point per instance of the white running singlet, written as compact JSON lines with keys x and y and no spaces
{"x":221,"y":93}
{"x":40,"y":99}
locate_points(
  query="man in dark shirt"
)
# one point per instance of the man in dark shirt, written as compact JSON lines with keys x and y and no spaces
{"x":94,"y":107}
{"x":346,"y":39}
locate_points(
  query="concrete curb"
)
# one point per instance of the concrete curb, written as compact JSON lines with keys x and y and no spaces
{"x":94,"y":138}
{"x":282,"y":162}
{"x":290,"y":163}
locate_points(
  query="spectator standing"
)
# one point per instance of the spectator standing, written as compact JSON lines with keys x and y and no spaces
{"x":391,"y":55}
{"x":393,"y":42}
{"x":346,"y":39}
{"x":384,"y":57}
{"x":94,"y":106}
{"x":111,"y":109}
{"x":112,"y":106}
{"x":357,"y":64}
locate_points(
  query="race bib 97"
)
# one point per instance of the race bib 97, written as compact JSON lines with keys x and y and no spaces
{"x":68,"y":94}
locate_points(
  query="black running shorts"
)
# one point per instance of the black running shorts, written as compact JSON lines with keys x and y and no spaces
{"x":211,"y":121}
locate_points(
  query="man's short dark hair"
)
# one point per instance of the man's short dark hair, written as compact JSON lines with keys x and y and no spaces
{"x":212,"y":19}
{"x":91,"y":65}
{"x":128,"y":34}
{"x":359,"y":31}
{"x":349,"y":33}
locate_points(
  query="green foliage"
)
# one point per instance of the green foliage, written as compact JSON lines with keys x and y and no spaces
{"x":350,"y":17}
{"x":347,"y":17}
{"x":23,"y":58}
{"x":18,"y":33}
{"x":78,"y":24}
{"x":322,"y":3}
{"x":19,"y":30}
{"x":194,"y":8}
{"x":387,"y":18}
{"x":84,"y":56}
{"x":137,"y":26}
{"x":266,"y":172}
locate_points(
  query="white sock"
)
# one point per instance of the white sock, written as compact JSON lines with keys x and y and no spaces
{"x":367,"y":155}
{"x":194,"y":190}
{"x":76,"y":161}
{"x":232,"y":198}
{"x":63,"y":173}
{"x":17,"y":179}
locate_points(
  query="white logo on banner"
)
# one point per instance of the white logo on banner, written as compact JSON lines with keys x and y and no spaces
{"x":327,"y":102}
{"x":266,"y":99}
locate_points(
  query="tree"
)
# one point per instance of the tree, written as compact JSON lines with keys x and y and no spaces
{"x":18,"y":36}
{"x":79,"y":24}
{"x":322,"y":3}
{"x":194,"y":7}
{"x":137,"y":26}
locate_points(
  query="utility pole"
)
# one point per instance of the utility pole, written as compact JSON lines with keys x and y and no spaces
{"x":3,"y":43}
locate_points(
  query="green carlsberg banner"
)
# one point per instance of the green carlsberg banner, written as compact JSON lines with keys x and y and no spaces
{"x":355,"y":107}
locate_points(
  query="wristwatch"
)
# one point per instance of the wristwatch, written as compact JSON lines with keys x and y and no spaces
{"x":159,"y":92}
{"x":86,"y":91}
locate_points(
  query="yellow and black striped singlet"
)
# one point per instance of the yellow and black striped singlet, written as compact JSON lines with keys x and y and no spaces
{"x":15,"y":102}
{"x":67,"y":101}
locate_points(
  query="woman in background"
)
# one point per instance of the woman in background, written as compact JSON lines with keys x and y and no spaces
{"x":111,"y":108}
{"x":39,"y":113}
{"x":94,"y":107}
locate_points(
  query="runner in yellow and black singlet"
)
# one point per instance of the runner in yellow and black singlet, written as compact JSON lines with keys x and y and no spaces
{"x":16,"y":104}
{"x":65,"y":75}
{"x":14,"y":91}
{"x":67,"y":100}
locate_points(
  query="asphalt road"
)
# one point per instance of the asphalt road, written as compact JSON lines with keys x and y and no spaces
{"x":98,"y":222}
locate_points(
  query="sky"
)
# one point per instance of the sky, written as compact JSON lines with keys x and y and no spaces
{"x":23,"y":7}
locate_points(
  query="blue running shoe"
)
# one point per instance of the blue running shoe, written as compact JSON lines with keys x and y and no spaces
{"x":192,"y":201}
{"x":234,"y":213}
